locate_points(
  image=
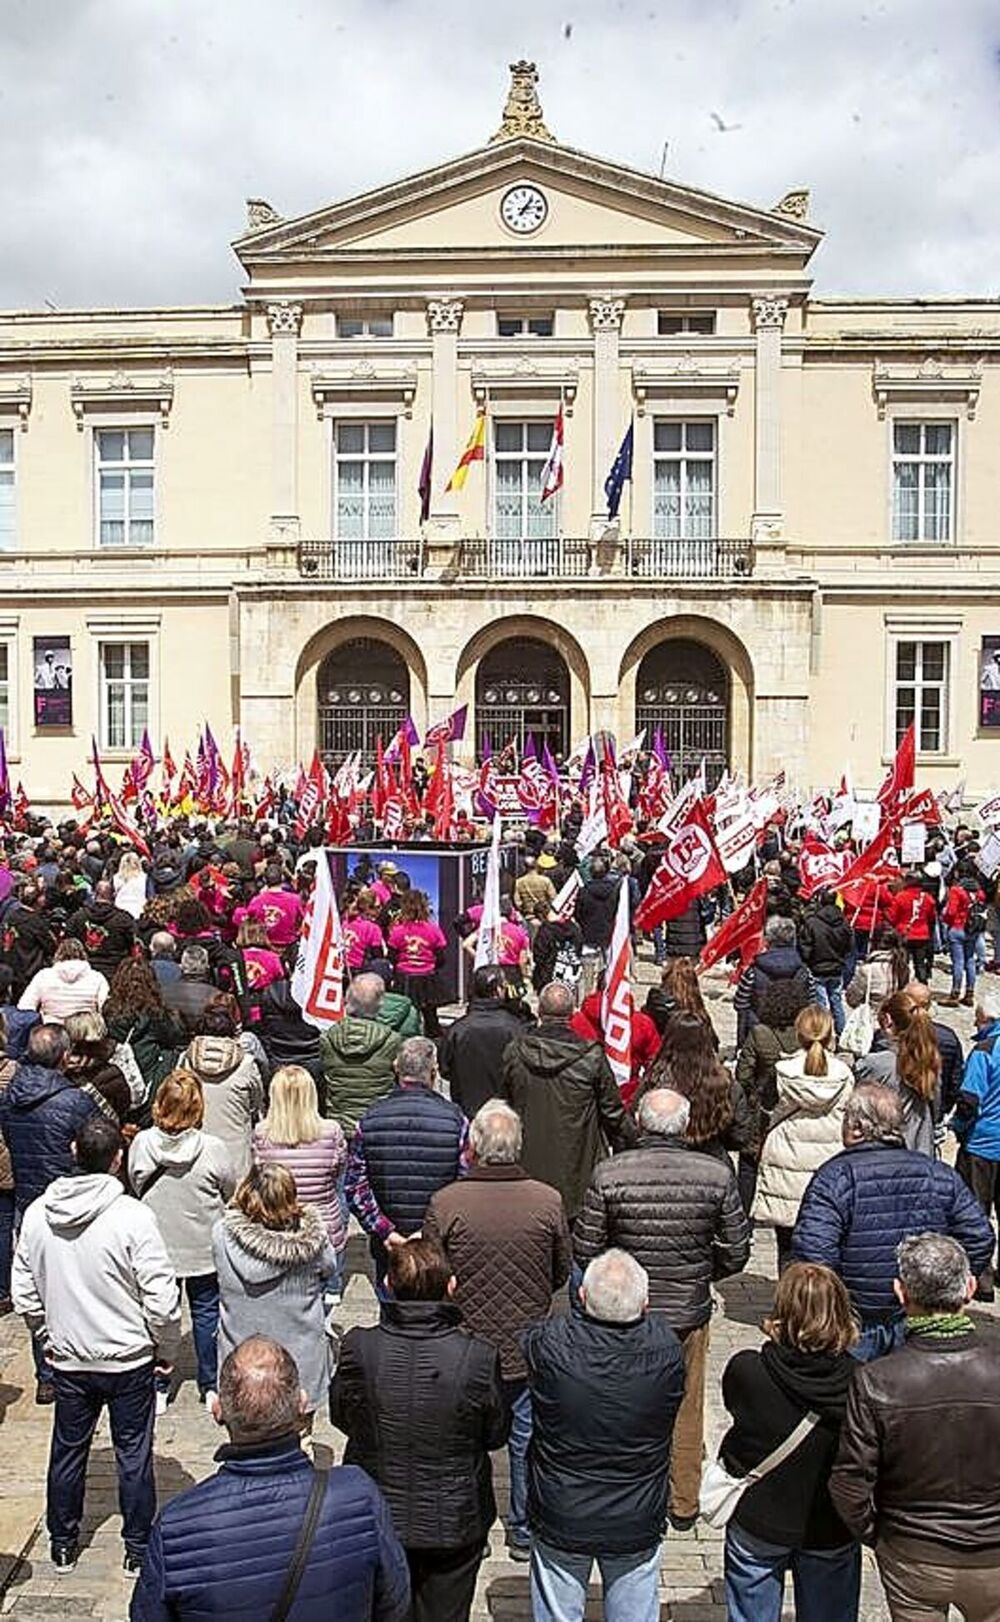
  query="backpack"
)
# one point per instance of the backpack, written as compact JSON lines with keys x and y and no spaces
{"x":975,"y":923}
{"x":568,"y":963}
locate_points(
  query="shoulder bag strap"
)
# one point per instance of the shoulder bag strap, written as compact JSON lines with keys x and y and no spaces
{"x":307,"y":1532}
{"x":785,"y":1450}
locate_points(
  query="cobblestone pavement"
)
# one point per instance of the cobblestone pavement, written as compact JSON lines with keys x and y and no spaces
{"x":186,"y":1440}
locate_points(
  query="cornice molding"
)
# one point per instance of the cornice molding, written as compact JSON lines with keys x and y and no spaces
{"x":685,"y":379}
{"x":332,"y":386}
{"x":15,"y":399}
{"x":121,"y":391}
{"x":929,"y":382}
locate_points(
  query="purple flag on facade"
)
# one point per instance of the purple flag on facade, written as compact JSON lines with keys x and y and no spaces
{"x":426,"y":477}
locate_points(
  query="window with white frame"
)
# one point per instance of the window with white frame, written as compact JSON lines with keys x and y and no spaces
{"x":923,"y":481}
{"x":364,"y":326}
{"x":520,"y":450}
{"x":6,"y":487}
{"x":526,"y":326}
{"x":6,"y":671}
{"x":124,"y":679}
{"x":674,"y":323}
{"x":684,"y":480}
{"x":364,"y":478}
{"x":920,"y":693}
{"x":125,"y":486}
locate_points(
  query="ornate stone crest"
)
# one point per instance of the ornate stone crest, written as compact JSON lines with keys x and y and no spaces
{"x":522,"y":114}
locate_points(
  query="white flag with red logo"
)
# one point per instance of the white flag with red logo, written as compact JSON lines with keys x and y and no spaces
{"x":616,"y":998}
{"x":689,"y":867}
{"x":318,"y":976}
{"x":491,"y":918}
{"x":552,"y":472}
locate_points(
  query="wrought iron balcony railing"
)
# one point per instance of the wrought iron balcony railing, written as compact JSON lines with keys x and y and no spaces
{"x":556,"y":557}
{"x":361,"y":560}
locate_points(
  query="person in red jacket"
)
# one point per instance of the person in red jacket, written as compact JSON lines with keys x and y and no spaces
{"x":586,"y":1022}
{"x":959,"y":915}
{"x":912,"y":914}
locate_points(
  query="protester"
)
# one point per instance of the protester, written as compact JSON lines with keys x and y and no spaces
{"x":885,"y":971}
{"x":41,"y":1112}
{"x":293,"y":1134}
{"x":417,"y":946}
{"x":913,"y":914}
{"x":90,"y":1066}
{"x":907,"y":1058}
{"x":106,"y":930}
{"x":28,"y":937}
{"x":70,"y":986}
{"x":362,"y":937}
{"x":976,"y":1121}
{"x":949,"y":1049}
{"x":826,"y":942}
{"x":186,"y":1177}
{"x":357,"y":1055}
{"x":232,"y":1087}
{"x":806,"y":1126}
{"x":7,"y":1072}
{"x":564,"y":1093}
{"x":137,"y":1018}
{"x":279,"y":908}
{"x":772,"y":1038}
{"x":678,"y":993}
{"x":780,"y":960}
{"x":679,"y":1214}
{"x":606,"y":1385}
{"x":688,"y":1062}
{"x":472,"y":1049}
{"x":93,"y":1280}
{"x":286,"y":1037}
{"x":533,"y":889}
{"x":644,"y":1038}
{"x":188,"y":996}
{"x":875,"y":1193}
{"x":785,"y":1522}
{"x":206,"y":1556}
{"x":916,"y":1473}
{"x":262,"y":964}
{"x":163,"y":957}
{"x":130,"y":885}
{"x":507,"y":1243}
{"x":964,"y":919}
{"x":556,"y":949}
{"x":425,"y":1433}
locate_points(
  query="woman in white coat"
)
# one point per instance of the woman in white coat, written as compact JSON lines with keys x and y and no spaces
{"x":806,"y":1126}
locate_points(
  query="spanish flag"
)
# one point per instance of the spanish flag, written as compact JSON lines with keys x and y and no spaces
{"x":475,"y":451}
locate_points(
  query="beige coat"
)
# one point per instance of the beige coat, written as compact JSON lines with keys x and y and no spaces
{"x":806,"y":1131}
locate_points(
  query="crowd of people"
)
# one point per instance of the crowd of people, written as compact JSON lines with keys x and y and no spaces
{"x":544,"y":1240}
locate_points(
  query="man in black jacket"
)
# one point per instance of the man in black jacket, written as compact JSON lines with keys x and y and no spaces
{"x":107,"y":933}
{"x":594,"y":911}
{"x":679,"y":1214}
{"x":471,"y":1052}
{"x":916,"y":1475}
{"x":825,"y":942}
{"x":28,"y":937}
{"x":606,"y":1386}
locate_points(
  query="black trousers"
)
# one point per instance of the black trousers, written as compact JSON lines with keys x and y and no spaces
{"x":922,"y":953}
{"x":443,"y":1582}
{"x":131,"y":1405}
{"x":983,"y":1179}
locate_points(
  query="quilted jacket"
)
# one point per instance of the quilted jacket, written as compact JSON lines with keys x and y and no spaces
{"x":678,"y":1212}
{"x":222,"y":1549}
{"x":357,"y":1058}
{"x":40,"y":1115}
{"x":508,"y":1243}
{"x":860,"y":1205}
{"x":806,"y":1130}
{"x":234,"y":1093}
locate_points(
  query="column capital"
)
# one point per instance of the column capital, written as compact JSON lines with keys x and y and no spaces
{"x":284,"y":319}
{"x":768,"y":311}
{"x":606,"y":314}
{"x":444,"y":315}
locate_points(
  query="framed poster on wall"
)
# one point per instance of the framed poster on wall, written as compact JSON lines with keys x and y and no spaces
{"x":989,"y":683}
{"x":53,"y":681}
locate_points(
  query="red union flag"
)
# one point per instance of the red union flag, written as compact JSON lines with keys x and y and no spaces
{"x":741,"y":930}
{"x":820,"y":864}
{"x":690,"y":866}
{"x":318,"y":976}
{"x":616,"y":999}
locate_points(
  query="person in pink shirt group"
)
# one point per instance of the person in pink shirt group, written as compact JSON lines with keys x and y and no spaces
{"x":514,"y":954}
{"x":417,"y":946}
{"x":263,"y":965}
{"x":362,"y":937}
{"x":279,"y":909}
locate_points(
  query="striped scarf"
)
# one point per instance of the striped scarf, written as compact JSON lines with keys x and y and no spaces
{"x":940,"y":1325}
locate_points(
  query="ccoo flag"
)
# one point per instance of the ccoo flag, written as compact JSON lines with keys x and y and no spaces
{"x":621,"y":471}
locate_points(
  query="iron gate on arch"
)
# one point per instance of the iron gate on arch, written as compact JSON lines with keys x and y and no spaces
{"x":683,"y":688}
{"x":363,"y":691}
{"x":522,"y":691}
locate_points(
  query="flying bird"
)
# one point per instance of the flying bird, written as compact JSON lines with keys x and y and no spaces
{"x":567,"y":30}
{"x":722,"y":126}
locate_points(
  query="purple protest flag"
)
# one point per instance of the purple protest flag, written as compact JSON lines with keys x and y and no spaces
{"x":548,"y":761}
{"x":661,"y":752}
{"x":450,"y":730}
{"x":589,"y":767}
{"x":426,"y":478}
{"x":407,"y":731}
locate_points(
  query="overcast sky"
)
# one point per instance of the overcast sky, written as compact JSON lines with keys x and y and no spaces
{"x":133,"y":130}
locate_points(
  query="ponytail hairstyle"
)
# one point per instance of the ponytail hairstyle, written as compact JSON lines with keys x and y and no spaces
{"x":918,"y":1058}
{"x":814,"y":1030}
{"x":887,"y":940}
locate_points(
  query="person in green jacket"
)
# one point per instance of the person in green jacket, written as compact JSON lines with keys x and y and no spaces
{"x":357,"y":1055}
{"x":396,"y":1010}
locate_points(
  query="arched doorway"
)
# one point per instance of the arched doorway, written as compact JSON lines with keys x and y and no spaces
{"x":522,"y":690}
{"x":362,"y":692}
{"x":682,"y":688}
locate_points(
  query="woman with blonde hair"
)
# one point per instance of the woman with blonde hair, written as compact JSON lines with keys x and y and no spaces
{"x":906,"y":1056}
{"x":90,"y":1065}
{"x":806,"y":1124}
{"x":786,"y":1521}
{"x":130,"y":885}
{"x":274,"y":1260}
{"x":186,"y":1176}
{"x":294,"y":1134}
{"x":679,"y":992}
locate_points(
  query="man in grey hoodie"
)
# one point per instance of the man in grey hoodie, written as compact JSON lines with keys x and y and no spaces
{"x":94,"y":1283}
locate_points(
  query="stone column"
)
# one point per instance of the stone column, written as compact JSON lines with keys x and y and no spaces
{"x":605,"y":323}
{"x":284,"y":321}
{"x":444,"y":321}
{"x":767,"y":524}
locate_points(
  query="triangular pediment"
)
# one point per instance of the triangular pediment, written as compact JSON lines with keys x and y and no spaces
{"x":456,"y":208}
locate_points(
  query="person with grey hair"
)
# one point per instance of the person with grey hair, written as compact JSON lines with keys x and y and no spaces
{"x":859,"y":1206}
{"x":780,"y":960}
{"x":405,"y":1147}
{"x":916,"y":1475}
{"x":506,"y":1237}
{"x":357,"y":1055}
{"x":606,"y":1385}
{"x":163,"y":958}
{"x":188,"y":995}
{"x":204,"y":1556}
{"x":677,"y":1212}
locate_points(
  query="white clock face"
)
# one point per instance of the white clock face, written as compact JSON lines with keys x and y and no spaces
{"x":523,"y":208}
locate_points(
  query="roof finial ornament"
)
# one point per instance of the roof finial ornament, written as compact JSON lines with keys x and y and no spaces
{"x":260,"y":214}
{"x":794,"y":205}
{"x":522,"y":114}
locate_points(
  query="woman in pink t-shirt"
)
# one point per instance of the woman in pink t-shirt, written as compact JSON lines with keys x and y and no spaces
{"x":362,"y":937}
{"x":417,"y":946}
{"x":263,"y":965}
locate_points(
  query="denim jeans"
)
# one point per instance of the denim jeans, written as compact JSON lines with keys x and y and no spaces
{"x":963,"y":960}
{"x":826,"y":1582}
{"x":829,"y":994}
{"x":878,"y":1339}
{"x":519,"y":1401}
{"x":203,"y":1299}
{"x":559,"y":1584}
{"x":79,"y":1400}
{"x":6,"y":1240}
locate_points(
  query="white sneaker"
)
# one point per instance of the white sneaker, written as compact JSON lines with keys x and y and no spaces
{"x":209,"y":1398}
{"x":161,"y":1403}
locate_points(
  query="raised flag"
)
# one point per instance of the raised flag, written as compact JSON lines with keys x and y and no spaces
{"x":21,"y":807}
{"x":616,"y":811}
{"x":407,"y":734}
{"x":450,"y":730}
{"x":439,"y":800}
{"x":318,"y":976}
{"x":565,"y":902}
{"x":425,"y":481}
{"x":616,"y":997}
{"x":311,"y":800}
{"x":820,"y":865}
{"x":621,"y":473}
{"x":741,"y":932}
{"x":589,"y":768}
{"x":475,"y":451}
{"x":489,"y":934}
{"x":167,"y":763}
{"x":660,"y":750}
{"x":126,"y":826}
{"x":689,"y":867}
{"x":552,"y":472}
{"x":144,"y":762}
{"x":79,"y":797}
{"x":900,"y":775}
{"x":5,"y":796}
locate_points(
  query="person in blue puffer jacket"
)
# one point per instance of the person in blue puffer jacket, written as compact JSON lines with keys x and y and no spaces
{"x":875,"y":1193}
{"x":224,"y":1548}
{"x":976,"y":1121}
{"x":40,"y":1114}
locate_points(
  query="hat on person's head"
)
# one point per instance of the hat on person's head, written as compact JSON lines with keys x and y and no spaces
{"x":546,"y":861}
{"x":389,"y":868}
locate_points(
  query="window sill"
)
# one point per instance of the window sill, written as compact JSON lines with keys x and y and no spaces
{"x":928,"y":760}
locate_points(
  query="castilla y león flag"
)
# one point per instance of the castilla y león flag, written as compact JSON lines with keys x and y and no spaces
{"x":689,"y":867}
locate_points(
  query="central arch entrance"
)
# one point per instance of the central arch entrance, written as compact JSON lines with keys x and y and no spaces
{"x":683,"y":689}
{"x":522,"y":690}
{"x":363,"y":692}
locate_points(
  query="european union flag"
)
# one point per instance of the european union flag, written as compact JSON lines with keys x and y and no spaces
{"x":621,"y":469}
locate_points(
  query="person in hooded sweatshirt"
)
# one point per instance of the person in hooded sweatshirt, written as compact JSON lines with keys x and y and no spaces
{"x":806,"y":1127}
{"x":786,"y":1522}
{"x":107,"y":932}
{"x":357,"y":1056}
{"x":70,"y":986}
{"x":232,"y":1085}
{"x":94,"y":1282}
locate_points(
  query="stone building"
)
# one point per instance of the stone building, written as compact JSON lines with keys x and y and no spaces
{"x":216,"y":512}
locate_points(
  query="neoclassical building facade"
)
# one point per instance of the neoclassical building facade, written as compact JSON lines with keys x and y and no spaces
{"x":224,"y":513}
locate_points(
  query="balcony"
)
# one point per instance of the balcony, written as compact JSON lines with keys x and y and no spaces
{"x":556,"y":557}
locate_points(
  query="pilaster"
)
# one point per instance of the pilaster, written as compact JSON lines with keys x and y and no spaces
{"x":767,"y":524}
{"x":442,"y":531}
{"x":605,"y":324}
{"x":284,"y":322}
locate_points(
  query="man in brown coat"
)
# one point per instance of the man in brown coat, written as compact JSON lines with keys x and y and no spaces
{"x":507,"y":1240}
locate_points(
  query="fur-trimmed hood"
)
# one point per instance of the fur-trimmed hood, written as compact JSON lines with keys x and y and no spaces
{"x":259,"y":1255}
